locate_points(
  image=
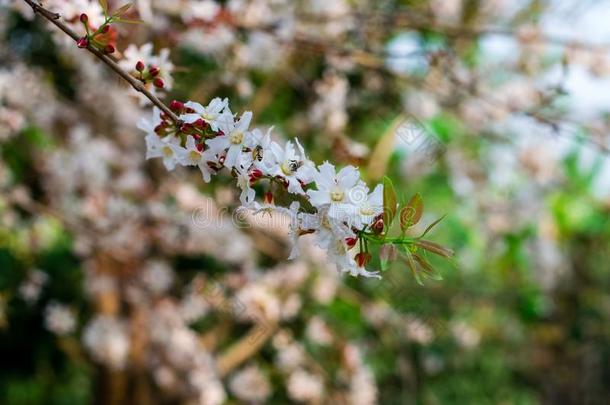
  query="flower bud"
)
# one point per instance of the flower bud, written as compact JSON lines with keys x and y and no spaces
{"x":82,"y":42}
{"x":377,"y":226}
{"x":200,"y":123}
{"x":351,"y":242}
{"x":158,"y":83}
{"x":255,"y":174}
{"x":106,"y":28}
{"x":388,"y":253}
{"x":154,"y":71}
{"x":139,"y":66}
{"x":268,"y":198}
{"x":109,"y":49}
{"x":84,"y":18}
{"x":362,"y":259}
{"x":176,"y":105}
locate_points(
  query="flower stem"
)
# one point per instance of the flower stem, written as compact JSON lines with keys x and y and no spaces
{"x":55,"y":19}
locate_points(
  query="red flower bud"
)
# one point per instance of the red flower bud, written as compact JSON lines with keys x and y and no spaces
{"x":200,"y":123}
{"x":176,"y":105}
{"x":84,"y":18}
{"x":106,"y":28}
{"x":351,"y":242}
{"x":199,"y":147}
{"x":158,"y":83}
{"x":109,"y":49}
{"x":255,"y":175}
{"x":139,"y":66}
{"x":154,"y":71}
{"x":362,"y":259}
{"x":377,"y":226}
{"x":189,"y":110}
{"x":82,"y":43}
{"x":268,"y":198}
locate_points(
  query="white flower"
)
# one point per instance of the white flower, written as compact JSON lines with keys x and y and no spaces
{"x":149,"y":126}
{"x":334,"y":188}
{"x":247,"y":193}
{"x":204,"y":10}
{"x":291,"y":166}
{"x":166,"y":148}
{"x":144,"y":54}
{"x":107,"y":339}
{"x":328,"y":230}
{"x":305,"y":387}
{"x":235,"y":137}
{"x":250,"y":385}
{"x":260,"y":144}
{"x":210,"y":114}
{"x":295,"y":228}
{"x":365,"y":210}
{"x":31,"y":288}
{"x":192,"y":156}
{"x":59,"y":319}
{"x":340,"y":255}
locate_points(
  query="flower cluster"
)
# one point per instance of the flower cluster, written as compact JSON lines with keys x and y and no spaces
{"x":336,"y":207}
{"x":152,"y":70}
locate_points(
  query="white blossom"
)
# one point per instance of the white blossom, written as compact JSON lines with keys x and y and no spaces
{"x":210,"y":114}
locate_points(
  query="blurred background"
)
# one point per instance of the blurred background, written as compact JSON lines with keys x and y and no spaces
{"x":122,"y":283}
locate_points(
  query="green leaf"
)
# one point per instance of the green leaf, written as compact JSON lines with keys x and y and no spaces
{"x":412,"y":265}
{"x":104,"y":5}
{"x":432,"y":225}
{"x":122,"y":10}
{"x":434,"y":248}
{"x":430,"y":271}
{"x":389,"y":202}
{"x":128,"y":21}
{"x":411,"y":214}
{"x":387,"y":254}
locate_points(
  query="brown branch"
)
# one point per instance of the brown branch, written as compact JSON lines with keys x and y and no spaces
{"x":136,"y":84}
{"x":245,"y":348}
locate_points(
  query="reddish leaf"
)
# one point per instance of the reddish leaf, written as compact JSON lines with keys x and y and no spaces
{"x":434,"y":248}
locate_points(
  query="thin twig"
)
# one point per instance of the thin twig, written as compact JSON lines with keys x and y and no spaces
{"x":245,"y":348}
{"x":136,"y":84}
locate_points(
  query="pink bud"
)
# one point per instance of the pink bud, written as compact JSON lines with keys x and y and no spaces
{"x":84,"y":18}
{"x":362,"y":259}
{"x":388,"y":253}
{"x":176,"y":105}
{"x":351,"y":242}
{"x":154,"y":71}
{"x":158,"y":83}
{"x":106,"y":28}
{"x":268,"y":198}
{"x":200,"y":123}
{"x":377,"y":226}
{"x":82,"y":43}
{"x":255,"y":175}
{"x":139,"y":66}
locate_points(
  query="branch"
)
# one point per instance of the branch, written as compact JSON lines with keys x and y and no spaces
{"x":136,"y":84}
{"x":244,"y":348}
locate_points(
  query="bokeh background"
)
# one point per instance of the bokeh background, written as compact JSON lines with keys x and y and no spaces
{"x":122,"y":283}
